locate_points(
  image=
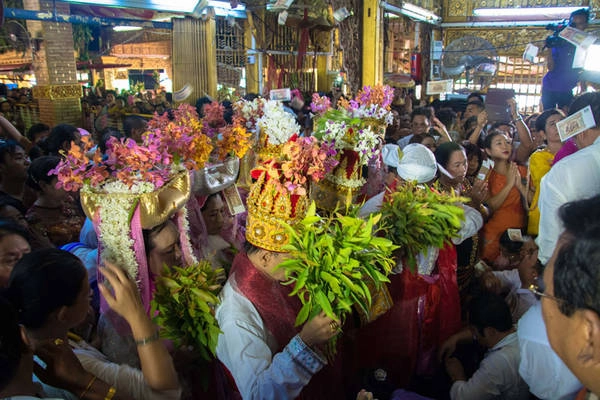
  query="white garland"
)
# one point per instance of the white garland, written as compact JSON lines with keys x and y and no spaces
{"x":278,"y":124}
{"x":374,"y":111}
{"x":186,"y":244}
{"x":364,"y":141}
{"x":349,"y":183}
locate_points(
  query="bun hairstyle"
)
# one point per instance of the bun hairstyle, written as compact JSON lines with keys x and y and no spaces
{"x":43,"y":281}
{"x":38,"y":171}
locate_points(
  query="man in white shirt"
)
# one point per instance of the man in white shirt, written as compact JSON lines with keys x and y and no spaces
{"x":498,"y":374}
{"x":573,"y":178}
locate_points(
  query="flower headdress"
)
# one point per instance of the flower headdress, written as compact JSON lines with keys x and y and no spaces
{"x":133,"y":187}
{"x":279,"y":195}
{"x":276,"y":126}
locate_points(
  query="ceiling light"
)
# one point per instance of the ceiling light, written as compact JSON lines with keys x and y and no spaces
{"x":414,"y":12}
{"x":547,"y":12}
{"x":126,"y":28}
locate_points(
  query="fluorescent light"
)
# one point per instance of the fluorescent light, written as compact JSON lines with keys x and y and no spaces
{"x":185,"y":6}
{"x":225,"y":5}
{"x":412,"y":11}
{"x":550,"y":12}
{"x":125,"y":28}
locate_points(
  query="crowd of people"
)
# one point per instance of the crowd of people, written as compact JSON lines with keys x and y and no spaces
{"x":508,"y":309}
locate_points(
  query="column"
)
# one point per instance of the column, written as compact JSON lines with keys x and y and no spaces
{"x":57,"y":91}
{"x":372,"y":66}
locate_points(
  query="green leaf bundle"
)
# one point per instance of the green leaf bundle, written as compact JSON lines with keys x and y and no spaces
{"x":419,"y":217}
{"x":332,"y":260}
{"x":183,"y":306}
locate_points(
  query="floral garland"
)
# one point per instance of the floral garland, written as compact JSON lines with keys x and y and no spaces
{"x":249,"y":112}
{"x":301,"y":159}
{"x":277,"y":124}
{"x":230,"y":139}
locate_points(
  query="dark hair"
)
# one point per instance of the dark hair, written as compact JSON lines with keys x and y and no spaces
{"x":38,"y":171}
{"x":12,"y":347}
{"x":209,"y":198}
{"x":512,"y":246}
{"x":444,"y":151}
{"x":577,"y":266}
{"x":105,"y":136}
{"x":200,"y":103}
{"x":36,"y":129}
{"x":447,"y":116}
{"x":424,"y":111}
{"x":419,"y":138}
{"x":475,"y":96}
{"x":487,"y":143}
{"x":10,"y":227}
{"x":250,"y":249}
{"x":149,"y":234}
{"x":8,"y":147}
{"x":591,"y":99}
{"x":58,"y":135}
{"x":540,"y":122}
{"x":498,"y":124}
{"x":489,"y":310}
{"x":472,"y":150}
{"x":132,"y":122}
{"x":477,"y":103}
{"x":582,"y":11}
{"x":43,"y":281}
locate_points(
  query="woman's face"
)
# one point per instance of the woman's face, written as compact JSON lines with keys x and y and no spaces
{"x":12,"y":248}
{"x":429,"y":142}
{"x":472,"y":166}
{"x":165,"y":249}
{"x":457,"y":165}
{"x":551,"y":131}
{"x":213,"y":215}
{"x":500,"y":148}
{"x":78,"y":312}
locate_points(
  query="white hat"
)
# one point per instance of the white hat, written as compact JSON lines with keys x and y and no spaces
{"x":414,"y":163}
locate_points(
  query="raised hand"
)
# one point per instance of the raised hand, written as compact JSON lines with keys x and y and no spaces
{"x":124,"y":298}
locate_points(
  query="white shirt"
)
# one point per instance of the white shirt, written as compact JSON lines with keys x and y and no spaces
{"x":575,"y":177}
{"x":546,"y":374}
{"x":247,"y":349}
{"x":518,"y":298}
{"x":497,"y":376}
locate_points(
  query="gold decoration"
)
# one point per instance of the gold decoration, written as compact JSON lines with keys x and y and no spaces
{"x":268,"y":207}
{"x":155,"y":207}
{"x":55,"y":92}
{"x":500,"y":38}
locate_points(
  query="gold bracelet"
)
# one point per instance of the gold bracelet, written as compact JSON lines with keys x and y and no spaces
{"x":111,"y":393}
{"x":89,"y":385}
{"x":147,"y":340}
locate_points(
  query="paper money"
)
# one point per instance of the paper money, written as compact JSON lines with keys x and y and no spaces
{"x":577,"y":37}
{"x":438,"y":87}
{"x":576,"y":123}
{"x":515,"y":235}
{"x":280,"y":94}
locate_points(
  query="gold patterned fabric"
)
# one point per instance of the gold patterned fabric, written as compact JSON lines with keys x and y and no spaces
{"x":155,"y":207}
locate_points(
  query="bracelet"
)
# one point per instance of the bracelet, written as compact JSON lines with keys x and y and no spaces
{"x":111,"y":393}
{"x":89,"y":385}
{"x":147,"y":340}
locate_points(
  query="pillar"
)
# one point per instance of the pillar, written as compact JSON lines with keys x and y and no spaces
{"x":195,"y":56}
{"x":57,"y":91}
{"x":372,"y":66}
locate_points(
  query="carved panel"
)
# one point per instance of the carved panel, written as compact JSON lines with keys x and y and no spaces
{"x":506,"y":41}
{"x":454,"y":8}
{"x":54,"y":92}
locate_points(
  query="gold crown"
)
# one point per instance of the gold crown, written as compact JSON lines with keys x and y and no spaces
{"x":269,"y":206}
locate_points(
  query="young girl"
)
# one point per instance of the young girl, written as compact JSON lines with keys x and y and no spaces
{"x":507,"y":190}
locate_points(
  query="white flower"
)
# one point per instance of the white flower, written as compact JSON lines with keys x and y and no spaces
{"x":278,"y":124}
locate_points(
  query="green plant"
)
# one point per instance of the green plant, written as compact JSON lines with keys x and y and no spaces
{"x":420,"y":217}
{"x":183,"y":306}
{"x":332,"y":261}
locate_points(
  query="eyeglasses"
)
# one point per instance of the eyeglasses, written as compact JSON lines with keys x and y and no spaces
{"x":539,"y":293}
